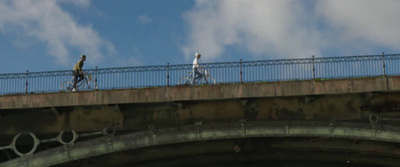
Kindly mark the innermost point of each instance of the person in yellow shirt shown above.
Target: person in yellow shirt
(78, 72)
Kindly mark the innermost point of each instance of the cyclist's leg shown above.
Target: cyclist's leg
(194, 76)
(75, 79)
(198, 74)
(81, 77)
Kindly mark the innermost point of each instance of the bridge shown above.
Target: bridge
(336, 111)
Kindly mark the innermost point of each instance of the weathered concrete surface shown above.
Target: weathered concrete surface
(44, 121)
(237, 102)
(327, 101)
(210, 92)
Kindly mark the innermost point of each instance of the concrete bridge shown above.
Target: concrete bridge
(337, 122)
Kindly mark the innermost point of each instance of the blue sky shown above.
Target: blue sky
(47, 35)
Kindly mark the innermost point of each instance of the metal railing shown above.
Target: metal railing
(224, 72)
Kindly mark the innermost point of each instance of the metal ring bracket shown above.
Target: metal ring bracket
(31, 151)
(72, 141)
(108, 131)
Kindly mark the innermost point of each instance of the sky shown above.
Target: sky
(50, 35)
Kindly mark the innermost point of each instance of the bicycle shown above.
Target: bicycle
(81, 85)
(204, 79)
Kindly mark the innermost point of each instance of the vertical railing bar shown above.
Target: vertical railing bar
(168, 74)
(383, 61)
(313, 68)
(26, 84)
(274, 72)
(95, 79)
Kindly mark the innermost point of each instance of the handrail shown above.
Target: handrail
(223, 72)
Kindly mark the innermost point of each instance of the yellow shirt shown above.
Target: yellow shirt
(78, 66)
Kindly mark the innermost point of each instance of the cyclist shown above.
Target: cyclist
(77, 71)
(196, 72)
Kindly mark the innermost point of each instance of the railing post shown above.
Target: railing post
(383, 58)
(313, 68)
(168, 74)
(26, 82)
(241, 80)
(95, 80)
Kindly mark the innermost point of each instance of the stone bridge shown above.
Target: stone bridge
(338, 122)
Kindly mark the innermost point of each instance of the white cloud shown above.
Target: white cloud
(127, 62)
(46, 21)
(144, 19)
(290, 28)
(81, 3)
(376, 22)
(132, 60)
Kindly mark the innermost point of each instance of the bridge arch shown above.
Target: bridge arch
(207, 132)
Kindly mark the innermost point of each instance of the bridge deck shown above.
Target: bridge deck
(210, 92)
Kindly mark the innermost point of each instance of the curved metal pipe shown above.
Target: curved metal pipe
(192, 133)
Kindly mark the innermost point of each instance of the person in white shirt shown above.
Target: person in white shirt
(196, 72)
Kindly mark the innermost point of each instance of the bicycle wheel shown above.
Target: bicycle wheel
(66, 86)
(207, 80)
(89, 81)
(184, 81)
(84, 85)
(211, 80)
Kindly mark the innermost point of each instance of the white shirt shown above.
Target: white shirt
(196, 63)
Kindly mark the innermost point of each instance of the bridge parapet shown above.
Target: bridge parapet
(210, 92)
(136, 109)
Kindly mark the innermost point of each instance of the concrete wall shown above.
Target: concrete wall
(136, 109)
(329, 102)
(210, 92)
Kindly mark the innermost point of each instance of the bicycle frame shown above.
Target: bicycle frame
(203, 79)
(79, 84)
(84, 80)
(203, 76)
(68, 85)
